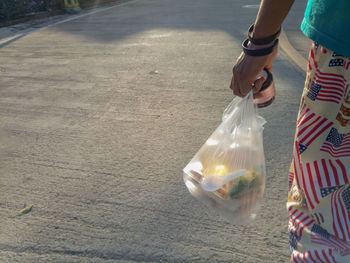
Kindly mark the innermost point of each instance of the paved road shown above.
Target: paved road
(292, 28)
(100, 114)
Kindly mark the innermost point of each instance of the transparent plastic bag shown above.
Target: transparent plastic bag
(228, 172)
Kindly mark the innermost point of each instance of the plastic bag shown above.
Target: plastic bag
(228, 172)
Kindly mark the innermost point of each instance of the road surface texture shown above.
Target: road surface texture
(99, 114)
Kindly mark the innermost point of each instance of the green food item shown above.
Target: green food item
(25, 210)
(245, 183)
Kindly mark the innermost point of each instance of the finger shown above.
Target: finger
(237, 93)
(241, 88)
(239, 83)
(235, 88)
(258, 84)
(245, 88)
(269, 67)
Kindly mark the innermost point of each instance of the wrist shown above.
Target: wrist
(262, 38)
(253, 46)
(253, 50)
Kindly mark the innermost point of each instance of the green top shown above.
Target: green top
(327, 22)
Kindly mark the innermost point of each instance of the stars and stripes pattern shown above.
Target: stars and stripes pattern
(337, 144)
(314, 256)
(319, 222)
(293, 241)
(346, 60)
(298, 220)
(319, 218)
(337, 62)
(320, 236)
(319, 178)
(309, 127)
(346, 197)
(327, 87)
(312, 61)
(340, 215)
(290, 179)
(328, 190)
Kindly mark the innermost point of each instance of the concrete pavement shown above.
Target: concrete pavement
(292, 40)
(100, 114)
(292, 28)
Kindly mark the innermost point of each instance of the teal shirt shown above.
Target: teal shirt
(327, 22)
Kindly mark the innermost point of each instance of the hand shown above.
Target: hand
(246, 70)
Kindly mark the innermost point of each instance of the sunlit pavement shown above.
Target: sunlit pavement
(99, 114)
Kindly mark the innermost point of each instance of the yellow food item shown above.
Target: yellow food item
(217, 169)
(241, 185)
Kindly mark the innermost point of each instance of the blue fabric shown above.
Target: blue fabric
(327, 22)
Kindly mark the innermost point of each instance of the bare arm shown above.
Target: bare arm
(270, 16)
(268, 21)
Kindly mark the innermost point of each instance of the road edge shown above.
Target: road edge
(291, 52)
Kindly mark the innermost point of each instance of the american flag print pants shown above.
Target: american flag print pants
(319, 178)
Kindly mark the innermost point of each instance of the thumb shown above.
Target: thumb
(258, 84)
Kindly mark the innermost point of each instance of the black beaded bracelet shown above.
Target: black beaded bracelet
(258, 52)
(261, 41)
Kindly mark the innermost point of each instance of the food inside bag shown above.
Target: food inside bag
(228, 172)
